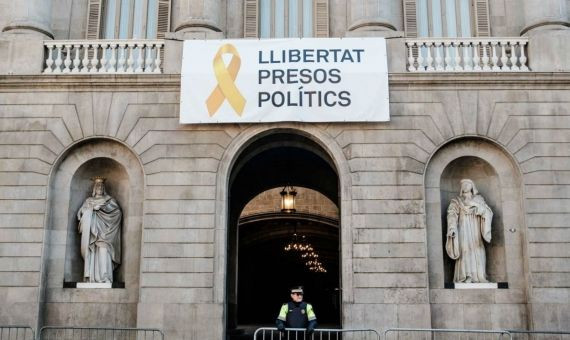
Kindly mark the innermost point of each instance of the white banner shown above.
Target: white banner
(308, 80)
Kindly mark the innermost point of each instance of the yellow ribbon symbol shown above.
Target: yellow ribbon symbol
(226, 88)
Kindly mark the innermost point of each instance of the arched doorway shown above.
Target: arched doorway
(259, 270)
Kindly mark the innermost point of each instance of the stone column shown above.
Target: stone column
(381, 18)
(22, 38)
(547, 27)
(198, 18)
(30, 17)
(544, 15)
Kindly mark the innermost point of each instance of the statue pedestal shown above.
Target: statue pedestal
(487, 285)
(94, 285)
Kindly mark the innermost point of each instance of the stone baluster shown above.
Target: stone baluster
(495, 58)
(522, 58)
(504, 58)
(49, 60)
(157, 61)
(140, 58)
(58, 60)
(447, 59)
(67, 62)
(128, 50)
(429, 58)
(476, 57)
(85, 61)
(514, 58)
(148, 58)
(485, 58)
(438, 58)
(113, 60)
(411, 59)
(457, 59)
(104, 53)
(466, 57)
(95, 59)
(76, 60)
(121, 51)
(421, 57)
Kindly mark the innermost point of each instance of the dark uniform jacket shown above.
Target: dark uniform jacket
(297, 315)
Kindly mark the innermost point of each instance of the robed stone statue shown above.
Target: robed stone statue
(468, 228)
(100, 228)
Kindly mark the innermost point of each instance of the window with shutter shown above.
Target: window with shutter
(128, 19)
(446, 18)
(482, 22)
(410, 18)
(286, 18)
(94, 9)
(321, 18)
(163, 22)
(251, 19)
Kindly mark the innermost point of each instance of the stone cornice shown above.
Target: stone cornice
(171, 82)
(79, 82)
(481, 81)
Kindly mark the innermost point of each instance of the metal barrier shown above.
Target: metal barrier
(520, 334)
(99, 333)
(268, 333)
(437, 334)
(16, 333)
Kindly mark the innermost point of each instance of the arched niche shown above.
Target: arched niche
(487, 181)
(498, 180)
(116, 185)
(70, 184)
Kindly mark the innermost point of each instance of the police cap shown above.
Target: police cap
(297, 289)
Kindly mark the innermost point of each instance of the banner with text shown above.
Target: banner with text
(308, 80)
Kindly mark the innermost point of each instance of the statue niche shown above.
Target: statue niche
(468, 228)
(100, 219)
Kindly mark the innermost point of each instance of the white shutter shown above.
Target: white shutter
(482, 22)
(163, 22)
(94, 15)
(321, 18)
(410, 18)
(250, 19)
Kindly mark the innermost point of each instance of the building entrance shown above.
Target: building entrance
(272, 249)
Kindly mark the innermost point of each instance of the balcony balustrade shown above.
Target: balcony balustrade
(103, 56)
(467, 55)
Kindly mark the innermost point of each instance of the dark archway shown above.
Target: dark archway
(269, 162)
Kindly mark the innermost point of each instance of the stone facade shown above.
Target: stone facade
(395, 180)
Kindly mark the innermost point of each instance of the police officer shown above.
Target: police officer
(296, 313)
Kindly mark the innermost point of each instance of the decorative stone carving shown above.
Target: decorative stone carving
(468, 228)
(100, 227)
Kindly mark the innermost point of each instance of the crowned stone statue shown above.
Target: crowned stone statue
(468, 228)
(100, 228)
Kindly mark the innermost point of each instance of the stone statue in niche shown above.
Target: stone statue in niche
(100, 227)
(468, 228)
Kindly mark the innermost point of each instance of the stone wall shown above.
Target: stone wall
(385, 199)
